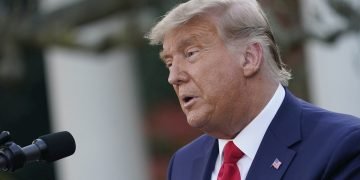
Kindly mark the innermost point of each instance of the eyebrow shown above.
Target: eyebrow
(183, 43)
(163, 56)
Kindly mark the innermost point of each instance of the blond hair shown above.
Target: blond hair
(235, 20)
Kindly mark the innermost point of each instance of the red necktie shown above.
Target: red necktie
(229, 169)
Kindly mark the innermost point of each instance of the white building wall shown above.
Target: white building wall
(333, 68)
(95, 97)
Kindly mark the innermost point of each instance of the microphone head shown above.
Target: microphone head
(59, 145)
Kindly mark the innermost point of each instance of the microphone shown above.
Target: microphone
(48, 148)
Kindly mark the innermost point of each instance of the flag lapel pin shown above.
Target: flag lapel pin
(276, 164)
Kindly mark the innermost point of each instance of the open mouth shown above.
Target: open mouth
(187, 99)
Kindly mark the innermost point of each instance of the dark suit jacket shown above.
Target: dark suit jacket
(310, 142)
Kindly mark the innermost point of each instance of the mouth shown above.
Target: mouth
(188, 101)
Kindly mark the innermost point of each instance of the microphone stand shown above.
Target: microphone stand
(12, 156)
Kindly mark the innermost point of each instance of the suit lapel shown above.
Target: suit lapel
(203, 165)
(275, 154)
(265, 164)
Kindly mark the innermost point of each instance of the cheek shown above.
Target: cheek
(214, 84)
(223, 84)
(216, 76)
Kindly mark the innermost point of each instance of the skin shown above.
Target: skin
(220, 89)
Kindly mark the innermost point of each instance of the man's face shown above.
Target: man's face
(206, 76)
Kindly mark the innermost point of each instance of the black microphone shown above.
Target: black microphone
(47, 148)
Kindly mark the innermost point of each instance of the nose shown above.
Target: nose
(177, 74)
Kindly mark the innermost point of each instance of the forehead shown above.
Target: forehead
(197, 30)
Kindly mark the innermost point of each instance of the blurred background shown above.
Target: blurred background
(84, 66)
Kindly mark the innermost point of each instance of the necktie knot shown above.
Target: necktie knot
(232, 154)
(229, 169)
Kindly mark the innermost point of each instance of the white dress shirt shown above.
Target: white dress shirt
(249, 139)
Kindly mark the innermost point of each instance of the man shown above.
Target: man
(231, 83)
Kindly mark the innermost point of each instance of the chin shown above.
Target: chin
(196, 122)
(199, 118)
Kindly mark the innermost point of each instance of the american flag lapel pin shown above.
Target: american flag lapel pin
(276, 164)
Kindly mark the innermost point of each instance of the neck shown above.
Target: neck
(260, 98)
(258, 95)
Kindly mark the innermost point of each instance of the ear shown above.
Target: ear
(253, 58)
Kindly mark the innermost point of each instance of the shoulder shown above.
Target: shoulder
(192, 157)
(333, 123)
(199, 145)
(335, 136)
(299, 119)
(329, 142)
(313, 115)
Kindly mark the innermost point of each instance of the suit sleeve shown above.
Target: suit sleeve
(352, 170)
(345, 162)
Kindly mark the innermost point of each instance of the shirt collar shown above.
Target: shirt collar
(249, 139)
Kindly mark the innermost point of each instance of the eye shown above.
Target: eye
(191, 52)
(168, 64)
